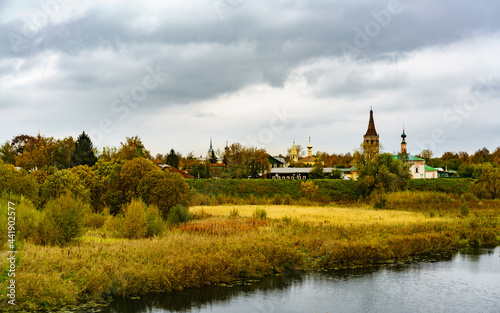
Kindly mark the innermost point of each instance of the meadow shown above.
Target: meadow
(226, 243)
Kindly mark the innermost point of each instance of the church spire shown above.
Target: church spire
(403, 141)
(371, 126)
(371, 143)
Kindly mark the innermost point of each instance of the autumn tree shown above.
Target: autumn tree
(37, 153)
(481, 156)
(130, 175)
(495, 156)
(133, 148)
(256, 161)
(83, 154)
(487, 183)
(426, 154)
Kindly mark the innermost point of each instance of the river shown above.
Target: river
(462, 282)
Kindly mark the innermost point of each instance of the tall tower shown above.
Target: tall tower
(294, 156)
(309, 148)
(403, 142)
(210, 150)
(371, 143)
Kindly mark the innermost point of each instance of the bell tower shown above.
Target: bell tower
(371, 143)
(403, 142)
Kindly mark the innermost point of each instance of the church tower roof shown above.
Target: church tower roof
(371, 126)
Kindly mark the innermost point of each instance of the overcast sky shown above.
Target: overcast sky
(262, 73)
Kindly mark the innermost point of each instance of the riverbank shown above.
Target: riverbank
(228, 243)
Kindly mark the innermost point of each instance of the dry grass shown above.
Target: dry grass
(325, 214)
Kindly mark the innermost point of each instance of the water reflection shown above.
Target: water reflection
(466, 282)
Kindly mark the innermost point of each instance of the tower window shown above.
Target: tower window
(416, 169)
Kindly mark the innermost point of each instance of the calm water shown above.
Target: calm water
(466, 282)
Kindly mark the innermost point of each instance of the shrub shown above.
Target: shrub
(134, 220)
(96, 220)
(380, 204)
(114, 226)
(179, 214)
(464, 207)
(234, 213)
(154, 223)
(63, 220)
(259, 214)
(28, 221)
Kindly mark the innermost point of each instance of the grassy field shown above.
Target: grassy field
(341, 216)
(220, 247)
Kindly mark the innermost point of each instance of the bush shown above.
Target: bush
(134, 220)
(96, 220)
(179, 214)
(380, 204)
(63, 220)
(234, 213)
(259, 214)
(154, 223)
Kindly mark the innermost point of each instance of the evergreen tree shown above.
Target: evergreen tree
(173, 159)
(83, 153)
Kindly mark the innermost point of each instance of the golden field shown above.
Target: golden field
(343, 216)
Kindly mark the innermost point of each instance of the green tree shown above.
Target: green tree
(336, 174)
(487, 183)
(8, 153)
(317, 172)
(83, 154)
(164, 190)
(17, 182)
(385, 173)
(62, 153)
(465, 170)
(173, 159)
(61, 183)
(108, 174)
(91, 183)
